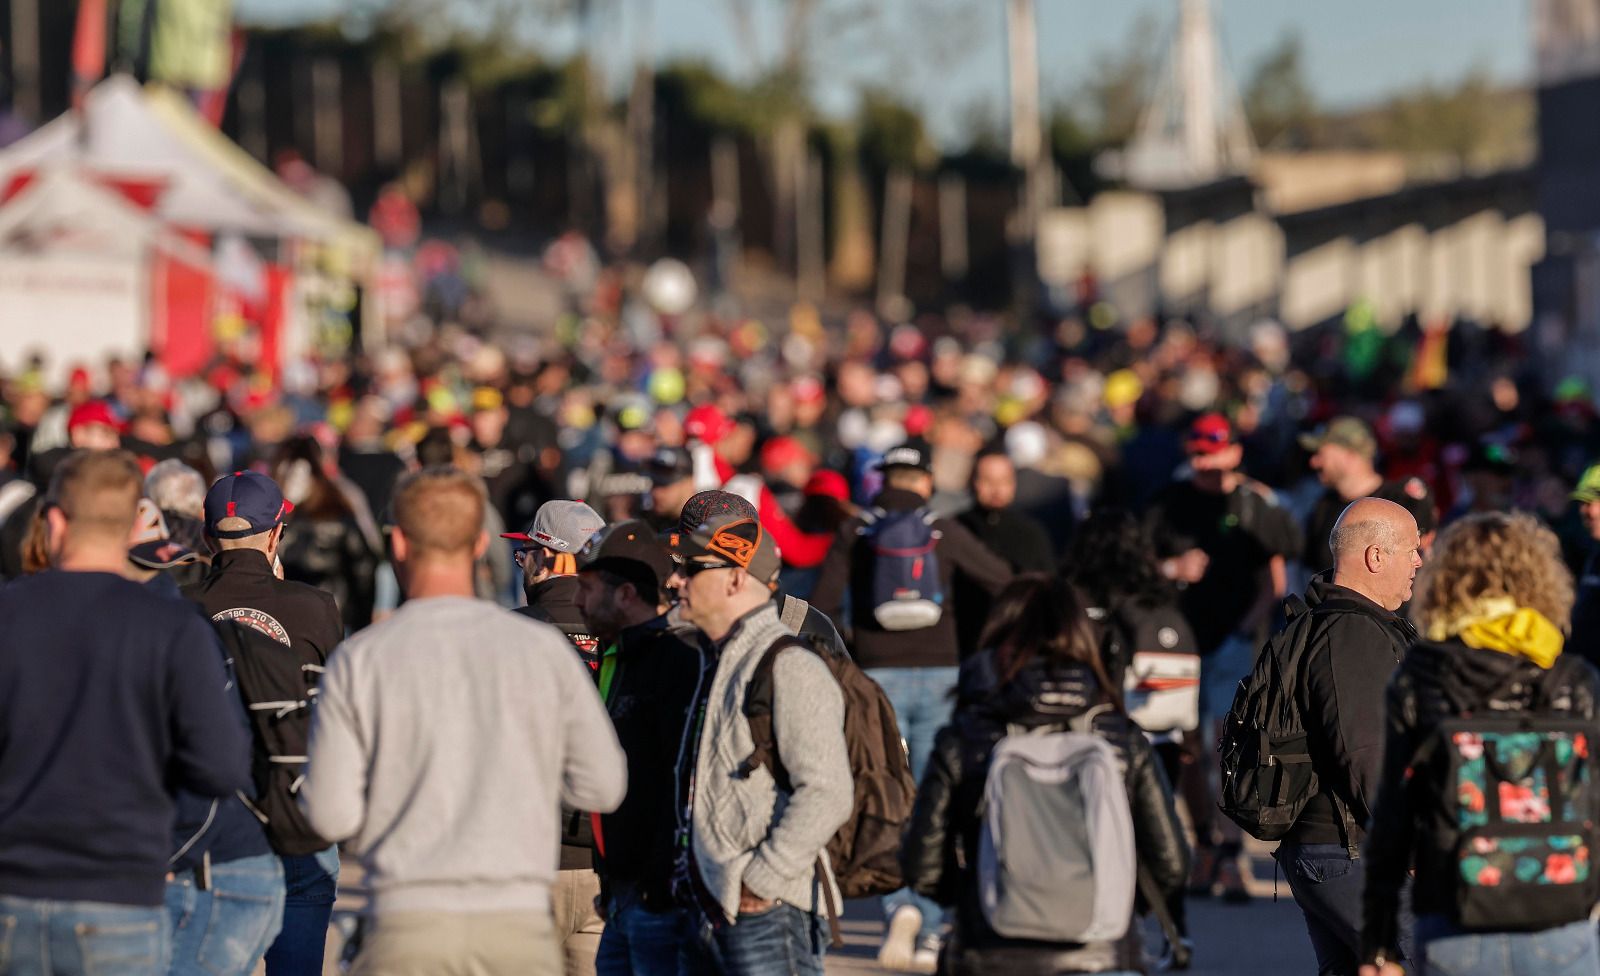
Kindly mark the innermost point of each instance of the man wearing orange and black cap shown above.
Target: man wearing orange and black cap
(752, 852)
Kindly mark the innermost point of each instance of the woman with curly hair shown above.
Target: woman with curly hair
(1479, 766)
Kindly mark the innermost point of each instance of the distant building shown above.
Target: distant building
(1566, 283)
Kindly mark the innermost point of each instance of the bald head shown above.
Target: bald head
(1376, 551)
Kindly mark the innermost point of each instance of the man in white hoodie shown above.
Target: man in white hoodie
(446, 739)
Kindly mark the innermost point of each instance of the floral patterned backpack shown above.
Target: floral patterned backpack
(1520, 794)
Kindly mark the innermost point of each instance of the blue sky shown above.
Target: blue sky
(1357, 51)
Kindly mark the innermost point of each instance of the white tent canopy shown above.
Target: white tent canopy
(76, 265)
(210, 184)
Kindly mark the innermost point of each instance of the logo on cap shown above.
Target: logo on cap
(736, 548)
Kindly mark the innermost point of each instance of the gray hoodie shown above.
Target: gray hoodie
(445, 740)
(745, 829)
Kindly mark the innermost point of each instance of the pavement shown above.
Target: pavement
(1266, 937)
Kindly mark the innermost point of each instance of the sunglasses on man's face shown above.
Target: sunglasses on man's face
(691, 569)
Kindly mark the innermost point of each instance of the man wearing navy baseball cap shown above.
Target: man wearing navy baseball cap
(244, 516)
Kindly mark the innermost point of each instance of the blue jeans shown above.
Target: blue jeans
(81, 938)
(639, 942)
(311, 883)
(225, 929)
(1568, 950)
(782, 941)
(922, 705)
(1327, 885)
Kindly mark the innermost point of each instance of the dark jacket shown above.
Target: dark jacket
(1355, 646)
(332, 554)
(1022, 541)
(1585, 639)
(1241, 531)
(940, 852)
(1434, 683)
(241, 589)
(656, 682)
(555, 602)
(111, 698)
(850, 564)
(222, 827)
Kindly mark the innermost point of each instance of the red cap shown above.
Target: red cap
(918, 419)
(828, 484)
(808, 389)
(707, 424)
(782, 451)
(80, 379)
(94, 412)
(1210, 434)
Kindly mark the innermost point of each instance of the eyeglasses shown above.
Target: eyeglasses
(689, 570)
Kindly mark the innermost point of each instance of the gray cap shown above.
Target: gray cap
(562, 526)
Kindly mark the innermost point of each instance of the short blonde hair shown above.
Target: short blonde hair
(98, 492)
(1494, 555)
(440, 510)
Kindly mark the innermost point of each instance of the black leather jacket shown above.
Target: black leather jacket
(1437, 682)
(940, 851)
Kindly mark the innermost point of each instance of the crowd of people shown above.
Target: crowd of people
(577, 643)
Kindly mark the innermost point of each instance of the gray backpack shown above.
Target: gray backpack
(1056, 855)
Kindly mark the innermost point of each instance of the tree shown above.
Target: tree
(1120, 82)
(1278, 100)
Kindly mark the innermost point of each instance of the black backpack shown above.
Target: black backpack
(1267, 776)
(864, 852)
(278, 689)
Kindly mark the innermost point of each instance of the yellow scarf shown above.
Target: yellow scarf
(1498, 624)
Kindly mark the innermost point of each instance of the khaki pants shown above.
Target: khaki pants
(578, 925)
(487, 944)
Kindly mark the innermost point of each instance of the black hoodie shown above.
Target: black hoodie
(1436, 682)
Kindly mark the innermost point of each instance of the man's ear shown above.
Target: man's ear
(1374, 558)
(481, 546)
(55, 521)
(400, 544)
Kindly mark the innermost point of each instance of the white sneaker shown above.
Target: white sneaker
(926, 958)
(899, 949)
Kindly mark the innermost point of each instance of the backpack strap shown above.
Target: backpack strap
(869, 517)
(758, 704)
(758, 699)
(793, 613)
(1085, 723)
